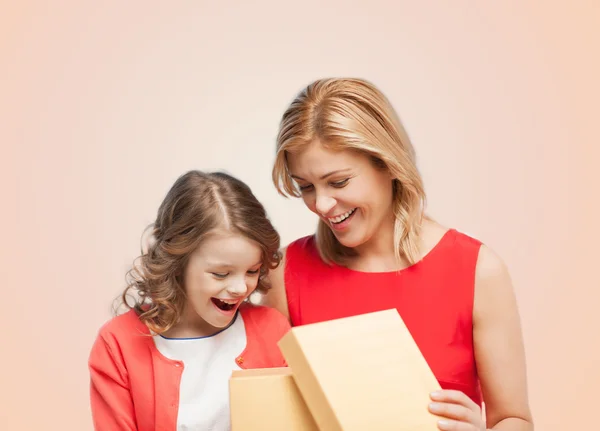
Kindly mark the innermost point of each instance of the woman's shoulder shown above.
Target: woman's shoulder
(460, 244)
(303, 252)
(305, 243)
(435, 235)
(447, 249)
(465, 239)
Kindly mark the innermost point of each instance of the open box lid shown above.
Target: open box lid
(362, 373)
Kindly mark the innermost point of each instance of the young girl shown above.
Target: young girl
(165, 363)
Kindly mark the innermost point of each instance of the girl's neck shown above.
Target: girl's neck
(191, 326)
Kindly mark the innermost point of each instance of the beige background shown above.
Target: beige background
(104, 104)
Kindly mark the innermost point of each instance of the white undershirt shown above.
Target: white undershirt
(208, 363)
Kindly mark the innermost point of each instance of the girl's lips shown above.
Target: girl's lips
(225, 306)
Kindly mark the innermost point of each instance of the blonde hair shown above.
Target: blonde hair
(196, 205)
(352, 114)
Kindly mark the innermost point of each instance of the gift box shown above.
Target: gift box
(267, 400)
(362, 373)
(358, 373)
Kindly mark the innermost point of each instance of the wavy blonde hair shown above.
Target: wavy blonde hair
(196, 205)
(352, 114)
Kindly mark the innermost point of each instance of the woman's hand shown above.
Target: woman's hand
(458, 412)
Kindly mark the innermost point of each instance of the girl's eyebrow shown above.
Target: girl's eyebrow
(220, 264)
(229, 265)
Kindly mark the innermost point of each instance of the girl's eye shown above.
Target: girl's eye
(220, 275)
(256, 271)
(341, 183)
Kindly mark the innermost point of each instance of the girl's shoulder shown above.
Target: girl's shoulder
(125, 327)
(122, 339)
(264, 319)
(260, 313)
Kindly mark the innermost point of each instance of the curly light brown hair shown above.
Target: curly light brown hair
(196, 205)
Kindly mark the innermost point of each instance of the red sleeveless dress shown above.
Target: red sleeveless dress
(434, 297)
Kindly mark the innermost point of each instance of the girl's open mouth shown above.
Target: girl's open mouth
(225, 305)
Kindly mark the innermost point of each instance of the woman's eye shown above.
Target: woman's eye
(341, 183)
(220, 274)
(305, 188)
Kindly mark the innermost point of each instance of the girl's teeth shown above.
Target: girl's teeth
(225, 305)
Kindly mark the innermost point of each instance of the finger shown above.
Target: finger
(456, 397)
(454, 411)
(451, 425)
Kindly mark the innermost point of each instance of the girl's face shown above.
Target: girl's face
(220, 274)
(346, 190)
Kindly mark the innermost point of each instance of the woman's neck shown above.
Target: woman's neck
(377, 254)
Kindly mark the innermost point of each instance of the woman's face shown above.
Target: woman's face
(346, 190)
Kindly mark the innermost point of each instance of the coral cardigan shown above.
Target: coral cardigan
(134, 387)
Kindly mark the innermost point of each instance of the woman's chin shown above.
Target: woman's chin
(349, 241)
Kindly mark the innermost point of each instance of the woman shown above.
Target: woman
(343, 150)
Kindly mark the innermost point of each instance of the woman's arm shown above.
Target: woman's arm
(500, 358)
(112, 406)
(276, 296)
(499, 350)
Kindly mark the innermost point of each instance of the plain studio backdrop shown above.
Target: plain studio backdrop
(104, 104)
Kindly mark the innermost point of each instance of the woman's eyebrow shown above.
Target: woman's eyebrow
(338, 171)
